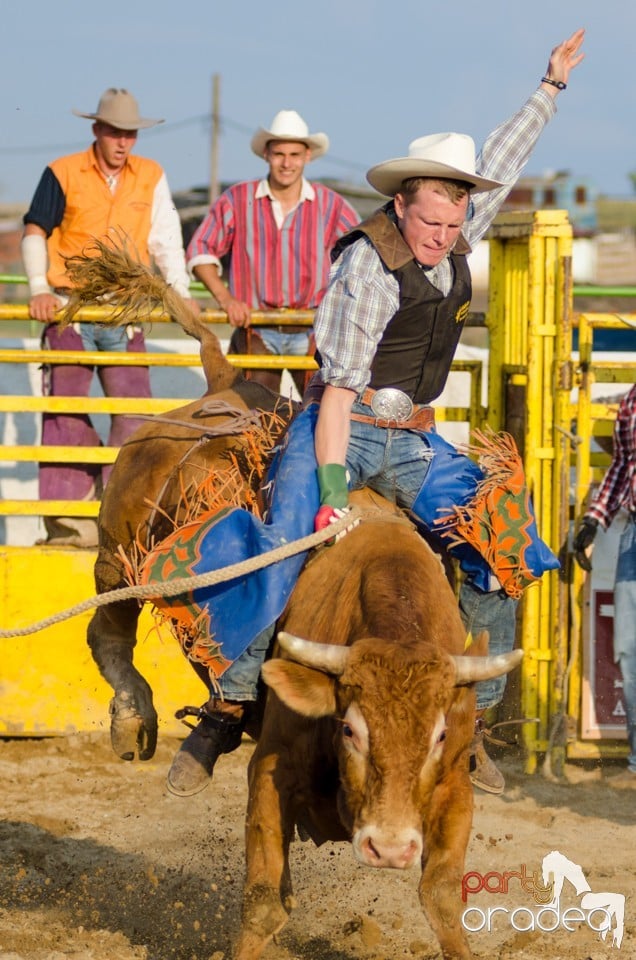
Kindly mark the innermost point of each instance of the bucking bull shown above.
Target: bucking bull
(369, 710)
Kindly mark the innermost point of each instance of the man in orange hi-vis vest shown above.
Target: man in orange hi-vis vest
(102, 193)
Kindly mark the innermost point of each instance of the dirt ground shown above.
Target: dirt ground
(99, 862)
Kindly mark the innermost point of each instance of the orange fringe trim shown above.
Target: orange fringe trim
(499, 458)
(236, 485)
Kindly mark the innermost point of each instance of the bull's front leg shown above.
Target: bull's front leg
(267, 896)
(446, 839)
(112, 635)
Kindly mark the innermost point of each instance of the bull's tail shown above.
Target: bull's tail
(107, 273)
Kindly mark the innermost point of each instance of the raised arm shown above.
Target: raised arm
(508, 148)
(563, 59)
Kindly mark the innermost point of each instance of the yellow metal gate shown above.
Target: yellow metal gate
(541, 393)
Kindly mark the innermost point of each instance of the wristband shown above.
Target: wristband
(34, 258)
(555, 83)
(38, 286)
(332, 482)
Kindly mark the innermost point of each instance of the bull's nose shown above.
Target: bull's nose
(398, 852)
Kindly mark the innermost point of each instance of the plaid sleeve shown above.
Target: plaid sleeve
(618, 486)
(361, 299)
(503, 157)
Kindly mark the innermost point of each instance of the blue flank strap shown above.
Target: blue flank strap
(241, 608)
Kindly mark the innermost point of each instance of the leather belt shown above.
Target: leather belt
(419, 417)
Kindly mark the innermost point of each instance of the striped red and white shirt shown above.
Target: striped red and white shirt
(272, 266)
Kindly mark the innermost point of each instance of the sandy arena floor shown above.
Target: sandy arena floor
(99, 862)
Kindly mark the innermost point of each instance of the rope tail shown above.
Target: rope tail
(107, 273)
(172, 588)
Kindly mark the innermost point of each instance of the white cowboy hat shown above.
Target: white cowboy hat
(448, 156)
(289, 125)
(119, 109)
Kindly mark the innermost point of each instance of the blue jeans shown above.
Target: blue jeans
(292, 344)
(391, 462)
(625, 630)
(240, 680)
(496, 613)
(98, 336)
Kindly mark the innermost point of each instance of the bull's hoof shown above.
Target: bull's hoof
(192, 767)
(129, 734)
(263, 917)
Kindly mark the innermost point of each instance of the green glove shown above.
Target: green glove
(332, 481)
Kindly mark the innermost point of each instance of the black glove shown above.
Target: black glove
(583, 539)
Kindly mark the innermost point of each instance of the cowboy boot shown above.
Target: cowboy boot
(483, 771)
(218, 731)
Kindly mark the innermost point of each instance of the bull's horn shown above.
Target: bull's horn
(472, 669)
(328, 657)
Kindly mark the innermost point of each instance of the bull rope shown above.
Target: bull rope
(211, 408)
(170, 588)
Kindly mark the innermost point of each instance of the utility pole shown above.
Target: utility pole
(214, 148)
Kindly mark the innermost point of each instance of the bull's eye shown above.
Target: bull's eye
(355, 734)
(441, 737)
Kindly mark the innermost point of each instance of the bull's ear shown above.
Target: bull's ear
(308, 692)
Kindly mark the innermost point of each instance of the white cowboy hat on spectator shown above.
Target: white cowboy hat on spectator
(119, 109)
(447, 156)
(289, 125)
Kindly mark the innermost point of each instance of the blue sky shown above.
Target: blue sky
(372, 74)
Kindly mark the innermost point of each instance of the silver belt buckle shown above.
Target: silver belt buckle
(389, 403)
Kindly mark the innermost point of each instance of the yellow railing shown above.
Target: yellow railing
(17, 404)
(473, 413)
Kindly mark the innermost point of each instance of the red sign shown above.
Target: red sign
(603, 704)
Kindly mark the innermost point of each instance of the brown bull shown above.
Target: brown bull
(365, 736)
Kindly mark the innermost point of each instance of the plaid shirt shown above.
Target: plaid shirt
(272, 267)
(363, 295)
(618, 488)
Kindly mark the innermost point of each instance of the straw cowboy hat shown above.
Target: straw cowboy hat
(119, 109)
(289, 125)
(449, 156)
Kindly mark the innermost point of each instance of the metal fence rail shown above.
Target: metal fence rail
(473, 413)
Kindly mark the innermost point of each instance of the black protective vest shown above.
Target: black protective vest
(419, 342)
